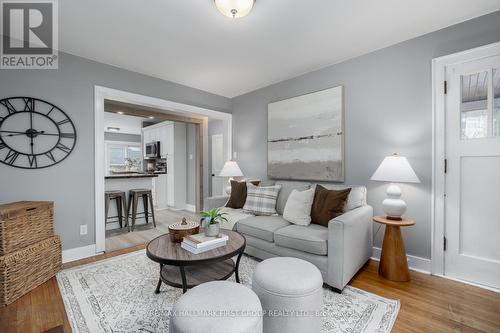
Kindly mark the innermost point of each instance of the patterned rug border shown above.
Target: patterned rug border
(72, 319)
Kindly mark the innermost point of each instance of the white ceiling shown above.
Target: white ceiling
(190, 42)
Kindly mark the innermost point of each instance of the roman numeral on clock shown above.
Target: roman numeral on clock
(62, 147)
(50, 156)
(11, 157)
(33, 161)
(67, 135)
(2, 145)
(62, 122)
(29, 104)
(10, 108)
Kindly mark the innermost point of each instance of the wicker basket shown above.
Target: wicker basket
(179, 230)
(24, 270)
(24, 223)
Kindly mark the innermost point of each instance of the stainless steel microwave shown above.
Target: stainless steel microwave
(153, 149)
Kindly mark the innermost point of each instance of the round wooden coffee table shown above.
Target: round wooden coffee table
(182, 269)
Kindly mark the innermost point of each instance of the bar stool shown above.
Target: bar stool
(147, 195)
(121, 207)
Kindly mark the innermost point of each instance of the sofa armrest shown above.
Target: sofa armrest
(350, 245)
(215, 202)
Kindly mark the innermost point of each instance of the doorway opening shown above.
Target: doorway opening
(158, 147)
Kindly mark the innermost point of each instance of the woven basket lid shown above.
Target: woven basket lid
(184, 225)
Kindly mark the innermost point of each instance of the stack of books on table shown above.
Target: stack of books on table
(200, 243)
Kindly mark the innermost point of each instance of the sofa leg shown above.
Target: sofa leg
(335, 290)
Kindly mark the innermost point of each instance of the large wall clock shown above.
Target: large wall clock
(34, 134)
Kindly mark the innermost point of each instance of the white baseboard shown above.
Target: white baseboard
(470, 283)
(78, 253)
(417, 264)
(191, 208)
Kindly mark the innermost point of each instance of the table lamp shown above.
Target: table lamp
(230, 169)
(394, 169)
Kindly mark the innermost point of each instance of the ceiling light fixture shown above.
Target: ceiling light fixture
(151, 117)
(234, 8)
(114, 129)
(120, 112)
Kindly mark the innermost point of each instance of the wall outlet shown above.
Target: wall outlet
(190, 156)
(83, 229)
(235, 155)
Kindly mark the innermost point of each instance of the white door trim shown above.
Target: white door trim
(102, 93)
(439, 143)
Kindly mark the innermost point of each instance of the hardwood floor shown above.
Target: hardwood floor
(118, 239)
(428, 304)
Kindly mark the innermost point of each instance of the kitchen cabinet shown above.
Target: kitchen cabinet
(163, 132)
(161, 191)
(170, 190)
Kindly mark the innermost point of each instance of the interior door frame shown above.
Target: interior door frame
(211, 162)
(103, 93)
(439, 145)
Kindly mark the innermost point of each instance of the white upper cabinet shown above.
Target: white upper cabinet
(163, 132)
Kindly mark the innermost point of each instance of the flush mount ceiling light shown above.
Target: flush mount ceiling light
(234, 8)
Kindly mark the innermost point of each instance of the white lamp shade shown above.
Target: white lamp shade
(234, 8)
(231, 169)
(395, 169)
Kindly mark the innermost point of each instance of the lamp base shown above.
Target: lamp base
(394, 207)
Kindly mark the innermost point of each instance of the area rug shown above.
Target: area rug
(117, 295)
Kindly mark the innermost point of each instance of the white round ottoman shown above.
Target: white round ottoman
(217, 307)
(291, 293)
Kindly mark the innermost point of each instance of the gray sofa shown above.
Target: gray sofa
(338, 250)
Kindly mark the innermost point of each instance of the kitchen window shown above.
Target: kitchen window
(123, 156)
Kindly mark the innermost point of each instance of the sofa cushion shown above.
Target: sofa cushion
(261, 200)
(238, 194)
(262, 227)
(286, 189)
(327, 205)
(356, 198)
(312, 238)
(298, 207)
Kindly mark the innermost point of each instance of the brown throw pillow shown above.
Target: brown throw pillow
(327, 204)
(238, 194)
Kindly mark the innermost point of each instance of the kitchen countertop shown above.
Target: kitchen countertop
(131, 175)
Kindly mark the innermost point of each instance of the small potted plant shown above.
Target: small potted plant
(211, 220)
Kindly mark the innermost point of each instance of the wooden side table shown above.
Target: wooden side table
(393, 264)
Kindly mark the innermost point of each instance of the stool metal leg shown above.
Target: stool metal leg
(119, 210)
(125, 210)
(150, 196)
(145, 204)
(134, 210)
(106, 208)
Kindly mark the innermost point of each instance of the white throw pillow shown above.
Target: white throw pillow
(298, 207)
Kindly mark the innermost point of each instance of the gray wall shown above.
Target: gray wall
(122, 137)
(70, 184)
(191, 131)
(387, 109)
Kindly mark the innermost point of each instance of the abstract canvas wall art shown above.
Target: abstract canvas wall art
(306, 137)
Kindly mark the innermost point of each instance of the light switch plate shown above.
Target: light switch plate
(83, 229)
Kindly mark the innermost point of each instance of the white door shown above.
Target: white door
(472, 207)
(217, 164)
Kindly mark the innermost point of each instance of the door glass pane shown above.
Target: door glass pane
(474, 105)
(496, 103)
